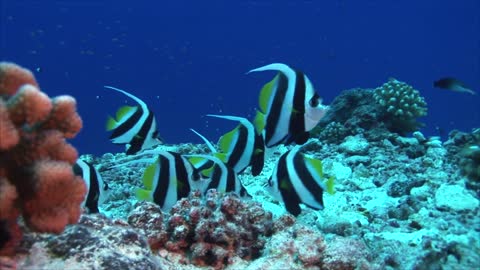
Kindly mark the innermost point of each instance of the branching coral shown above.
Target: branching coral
(334, 132)
(36, 177)
(403, 105)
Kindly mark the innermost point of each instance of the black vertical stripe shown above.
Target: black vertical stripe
(205, 165)
(183, 185)
(94, 191)
(258, 157)
(163, 185)
(307, 178)
(240, 145)
(137, 141)
(91, 201)
(273, 116)
(128, 124)
(231, 180)
(289, 195)
(244, 192)
(297, 121)
(216, 176)
(77, 170)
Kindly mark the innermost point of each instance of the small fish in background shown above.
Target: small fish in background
(299, 179)
(289, 106)
(98, 190)
(134, 126)
(242, 146)
(222, 177)
(453, 84)
(168, 179)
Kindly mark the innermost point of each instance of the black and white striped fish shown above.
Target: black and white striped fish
(97, 189)
(134, 126)
(222, 177)
(168, 179)
(242, 146)
(289, 106)
(299, 179)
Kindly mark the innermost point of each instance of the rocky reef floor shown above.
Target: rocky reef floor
(400, 203)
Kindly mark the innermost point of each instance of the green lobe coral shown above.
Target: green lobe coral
(403, 105)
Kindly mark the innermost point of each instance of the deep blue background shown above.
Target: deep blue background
(189, 58)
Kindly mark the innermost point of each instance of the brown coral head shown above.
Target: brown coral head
(29, 106)
(8, 132)
(13, 76)
(57, 197)
(64, 116)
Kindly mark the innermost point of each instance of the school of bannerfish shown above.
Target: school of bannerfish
(289, 108)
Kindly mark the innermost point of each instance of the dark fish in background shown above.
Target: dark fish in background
(453, 84)
(134, 126)
(97, 189)
(289, 106)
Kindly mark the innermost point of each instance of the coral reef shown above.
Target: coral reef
(352, 113)
(36, 177)
(396, 109)
(333, 132)
(96, 242)
(212, 230)
(354, 110)
(392, 210)
(465, 151)
(403, 105)
(400, 203)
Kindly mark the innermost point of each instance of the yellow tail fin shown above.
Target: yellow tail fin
(330, 187)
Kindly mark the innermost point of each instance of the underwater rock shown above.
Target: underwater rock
(464, 149)
(353, 108)
(354, 145)
(402, 186)
(455, 198)
(91, 244)
(347, 253)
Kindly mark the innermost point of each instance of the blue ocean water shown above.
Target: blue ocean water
(189, 58)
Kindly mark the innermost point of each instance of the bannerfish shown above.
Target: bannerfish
(242, 146)
(289, 106)
(299, 179)
(98, 190)
(222, 177)
(134, 126)
(453, 84)
(168, 179)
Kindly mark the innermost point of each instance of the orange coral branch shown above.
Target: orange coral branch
(36, 177)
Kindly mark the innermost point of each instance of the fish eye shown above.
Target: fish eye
(196, 176)
(314, 101)
(155, 134)
(105, 186)
(270, 182)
